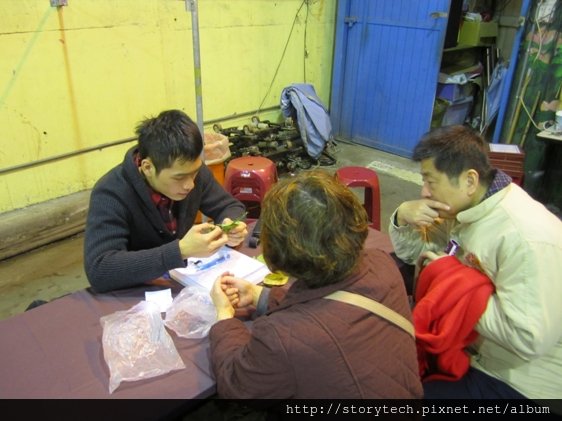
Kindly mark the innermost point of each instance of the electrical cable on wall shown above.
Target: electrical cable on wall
(282, 55)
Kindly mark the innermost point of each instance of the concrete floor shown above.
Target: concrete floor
(57, 269)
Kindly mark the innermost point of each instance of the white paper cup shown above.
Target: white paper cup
(559, 119)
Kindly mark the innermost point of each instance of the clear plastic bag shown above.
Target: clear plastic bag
(137, 346)
(216, 148)
(192, 313)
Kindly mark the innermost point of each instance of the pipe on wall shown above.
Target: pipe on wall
(504, 100)
(60, 157)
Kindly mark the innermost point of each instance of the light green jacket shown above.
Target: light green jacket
(517, 242)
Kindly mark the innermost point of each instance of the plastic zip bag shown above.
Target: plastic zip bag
(192, 313)
(137, 346)
(216, 148)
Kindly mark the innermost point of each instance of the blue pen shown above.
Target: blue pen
(214, 262)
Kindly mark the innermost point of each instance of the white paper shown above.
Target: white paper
(502, 147)
(163, 298)
(239, 264)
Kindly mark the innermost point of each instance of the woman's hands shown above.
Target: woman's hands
(223, 298)
(230, 293)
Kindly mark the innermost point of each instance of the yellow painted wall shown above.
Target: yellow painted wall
(83, 75)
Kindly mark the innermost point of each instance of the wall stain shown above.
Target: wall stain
(71, 92)
(16, 71)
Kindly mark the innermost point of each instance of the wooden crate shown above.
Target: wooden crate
(508, 158)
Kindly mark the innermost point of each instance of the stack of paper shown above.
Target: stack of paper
(203, 272)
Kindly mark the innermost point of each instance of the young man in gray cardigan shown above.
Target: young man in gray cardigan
(141, 219)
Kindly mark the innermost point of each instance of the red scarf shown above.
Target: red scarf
(450, 298)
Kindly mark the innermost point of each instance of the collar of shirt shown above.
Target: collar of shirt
(500, 181)
(163, 203)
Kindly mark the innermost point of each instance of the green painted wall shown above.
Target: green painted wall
(85, 74)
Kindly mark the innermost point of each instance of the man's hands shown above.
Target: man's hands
(422, 212)
(236, 234)
(427, 257)
(229, 292)
(202, 240)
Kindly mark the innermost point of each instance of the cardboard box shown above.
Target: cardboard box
(477, 33)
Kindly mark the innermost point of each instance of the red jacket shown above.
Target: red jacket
(450, 298)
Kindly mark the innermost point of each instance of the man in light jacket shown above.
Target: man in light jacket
(511, 238)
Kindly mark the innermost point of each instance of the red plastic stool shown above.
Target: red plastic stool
(248, 178)
(367, 178)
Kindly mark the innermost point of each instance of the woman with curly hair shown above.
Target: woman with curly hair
(302, 345)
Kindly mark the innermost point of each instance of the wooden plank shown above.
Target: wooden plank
(25, 229)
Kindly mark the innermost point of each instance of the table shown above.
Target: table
(549, 135)
(547, 180)
(55, 350)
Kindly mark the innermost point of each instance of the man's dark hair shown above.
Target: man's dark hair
(455, 149)
(169, 137)
(313, 228)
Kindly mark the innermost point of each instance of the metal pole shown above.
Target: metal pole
(191, 5)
